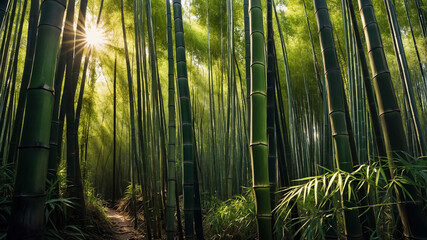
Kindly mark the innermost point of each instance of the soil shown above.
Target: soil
(122, 226)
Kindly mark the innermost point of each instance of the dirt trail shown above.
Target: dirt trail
(122, 226)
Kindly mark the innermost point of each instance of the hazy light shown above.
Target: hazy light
(281, 8)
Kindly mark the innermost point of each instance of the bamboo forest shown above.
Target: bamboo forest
(213, 119)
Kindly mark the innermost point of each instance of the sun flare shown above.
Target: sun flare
(95, 37)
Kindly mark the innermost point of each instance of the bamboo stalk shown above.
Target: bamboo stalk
(258, 123)
(27, 219)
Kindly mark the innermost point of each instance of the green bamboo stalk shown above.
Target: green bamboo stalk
(6, 44)
(400, 54)
(58, 109)
(27, 219)
(31, 43)
(422, 17)
(282, 135)
(230, 143)
(271, 99)
(315, 62)
(247, 57)
(187, 126)
(292, 133)
(8, 93)
(12, 76)
(158, 121)
(357, 106)
(338, 113)
(75, 186)
(142, 123)
(132, 113)
(258, 122)
(114, 129)
(171, 204)
(4, 5)
(396, 144)
(373, 111)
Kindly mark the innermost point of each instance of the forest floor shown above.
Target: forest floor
(122, 226)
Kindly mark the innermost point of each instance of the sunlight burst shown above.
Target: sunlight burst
(95, 37)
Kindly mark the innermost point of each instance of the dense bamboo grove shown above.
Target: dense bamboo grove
(201, 119)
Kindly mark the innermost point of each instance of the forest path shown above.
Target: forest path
(122, 226)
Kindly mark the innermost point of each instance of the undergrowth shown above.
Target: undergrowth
(231, 219)
(56, 210)
(126, 205)
(318, 200)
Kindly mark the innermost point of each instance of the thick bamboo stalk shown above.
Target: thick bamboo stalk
(186, 118)
(396, 144)
(27, 219)
(338, 113)
(378, 135)
(404, 68)
(258, 123)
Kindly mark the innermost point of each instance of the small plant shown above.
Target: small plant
(126, 204)
(231, 219)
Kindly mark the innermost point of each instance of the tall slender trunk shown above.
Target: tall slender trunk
(171, 204)
(132, 112)
(29, 55)
(58, 111)
(73, 159)
(271, 99)
(404, 68)
(12, 77)
(423, 77)
(187, 126)
(4, 5)
(114, 130)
